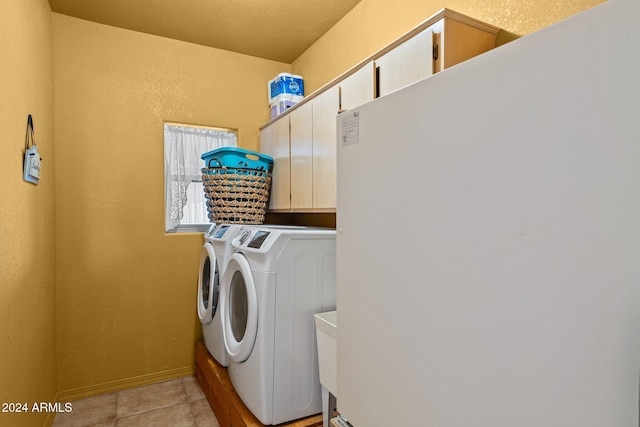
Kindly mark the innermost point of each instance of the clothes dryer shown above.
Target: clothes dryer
(276, 280)
(214, 258)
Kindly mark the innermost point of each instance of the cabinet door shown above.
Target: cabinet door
(325, 112)
(405, 64)
(274, 141)
(301, 157)
(357, 89)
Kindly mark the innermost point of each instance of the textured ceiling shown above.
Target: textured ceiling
(280, 30)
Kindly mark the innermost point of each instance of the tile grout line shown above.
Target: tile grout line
(117, 405)
(189, 402)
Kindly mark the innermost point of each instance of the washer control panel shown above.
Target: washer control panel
(220, 231)
(253, 239)
(258, 239)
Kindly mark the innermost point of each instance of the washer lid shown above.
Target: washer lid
(208, 284)
(239, 308)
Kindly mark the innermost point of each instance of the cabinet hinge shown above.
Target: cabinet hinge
(435, 51)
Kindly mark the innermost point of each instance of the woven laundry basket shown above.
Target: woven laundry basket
(236, 195)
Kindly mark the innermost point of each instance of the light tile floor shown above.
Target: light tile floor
(175, 403)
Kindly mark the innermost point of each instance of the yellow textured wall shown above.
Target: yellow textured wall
(126, 290)
(373, 24)
(27, 213)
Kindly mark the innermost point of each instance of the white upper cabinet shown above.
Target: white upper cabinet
(303, 139)
(303, 146)
(325, 124)
(449, 40)
(274, 141)
(406, 64)
(357, 88)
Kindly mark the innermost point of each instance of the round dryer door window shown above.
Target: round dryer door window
(239, 305)
(208, 284)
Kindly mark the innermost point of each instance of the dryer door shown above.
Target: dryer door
(239, 305)
(208, 284)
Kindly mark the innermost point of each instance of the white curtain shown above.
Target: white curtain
(183, 146)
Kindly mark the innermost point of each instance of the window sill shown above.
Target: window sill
(190, 228)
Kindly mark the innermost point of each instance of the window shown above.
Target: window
(185, 204)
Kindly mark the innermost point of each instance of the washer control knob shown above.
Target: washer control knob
(245, 235)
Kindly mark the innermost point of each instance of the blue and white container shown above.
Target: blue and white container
(286, 84)
(281, 104)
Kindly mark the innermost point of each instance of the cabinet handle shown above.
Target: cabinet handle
(435, 52)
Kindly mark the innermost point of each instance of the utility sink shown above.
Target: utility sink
(326, 329)
(326, 333)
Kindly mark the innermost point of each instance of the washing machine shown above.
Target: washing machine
(214, 258)
(276, 280)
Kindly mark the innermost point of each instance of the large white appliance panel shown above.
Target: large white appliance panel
(498, 203)
(306, 285)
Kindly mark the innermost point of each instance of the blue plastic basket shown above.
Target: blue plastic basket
(236, 158)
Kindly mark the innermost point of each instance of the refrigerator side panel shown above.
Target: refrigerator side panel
(489, 235)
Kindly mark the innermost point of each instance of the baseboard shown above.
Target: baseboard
(94, 390)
